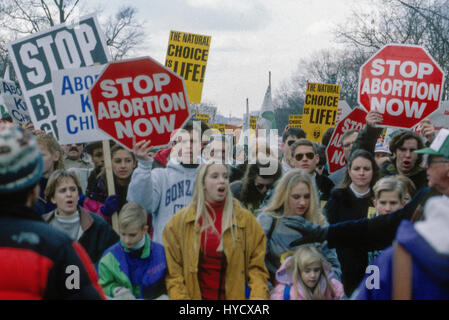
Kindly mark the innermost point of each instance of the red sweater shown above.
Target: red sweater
(210, 260)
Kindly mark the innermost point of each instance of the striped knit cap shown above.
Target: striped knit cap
(21, 163)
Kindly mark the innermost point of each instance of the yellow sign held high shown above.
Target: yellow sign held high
(253, 121)
(220, 127)
(187, 55)
(295, 120)
(203, 117)
(320, 109)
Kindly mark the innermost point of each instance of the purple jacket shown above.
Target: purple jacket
(430, 270)
(284, 278)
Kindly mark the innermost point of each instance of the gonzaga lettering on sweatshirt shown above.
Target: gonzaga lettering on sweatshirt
(162, 191)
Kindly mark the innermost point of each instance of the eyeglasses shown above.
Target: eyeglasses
(261, 186)
(309, 155)
(432, 160)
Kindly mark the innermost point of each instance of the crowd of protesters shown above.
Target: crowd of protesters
(203, 220)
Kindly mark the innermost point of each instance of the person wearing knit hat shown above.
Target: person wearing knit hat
(31, 250)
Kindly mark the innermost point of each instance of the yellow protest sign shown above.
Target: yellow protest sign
(320, 109)
(187, 55)
(203, 117)
(295, 120)
(220, 127)
(253, 121)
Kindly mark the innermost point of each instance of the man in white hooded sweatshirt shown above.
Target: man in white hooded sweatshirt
(165, 191)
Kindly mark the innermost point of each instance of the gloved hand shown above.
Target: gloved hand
(111, 205)
(81, 199)
(310, 232)
(122, 293)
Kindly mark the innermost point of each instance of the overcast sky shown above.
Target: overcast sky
(249, 38)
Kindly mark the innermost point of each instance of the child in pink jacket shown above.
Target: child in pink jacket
(306, 275)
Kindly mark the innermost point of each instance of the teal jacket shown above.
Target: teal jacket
(142, 274)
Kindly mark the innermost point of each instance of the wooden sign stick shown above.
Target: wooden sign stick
(110, 179)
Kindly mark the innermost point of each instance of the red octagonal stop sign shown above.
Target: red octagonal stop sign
(403, 83)
(355, 120)
(141, 98)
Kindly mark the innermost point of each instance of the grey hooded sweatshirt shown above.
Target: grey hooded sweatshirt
(162, 191)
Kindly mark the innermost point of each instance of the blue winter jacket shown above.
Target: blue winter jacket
(430, 270)
(143, 275)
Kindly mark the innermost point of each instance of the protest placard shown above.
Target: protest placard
(187, 55)
(61, 47)
(12, 102)
(73, 106)
(320, 109)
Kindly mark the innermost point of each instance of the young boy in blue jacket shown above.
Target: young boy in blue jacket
(134, 267)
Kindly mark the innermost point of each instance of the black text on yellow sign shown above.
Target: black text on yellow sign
(253, 121)
(203, 117)
(187, 55)
(220, 127)
(295, 120)
(320, 109)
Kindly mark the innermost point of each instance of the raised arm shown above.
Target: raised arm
(141, 188)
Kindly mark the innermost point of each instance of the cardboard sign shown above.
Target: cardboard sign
(253, 122)
(440, 118)
(220, 127)
(203, 117)
(356, 120)
(403, 83)
(73, 106)
(139, 98)
(61, 47)
(11, 100)
(295, 120)
(187, 55)
(343, 110)
(320, 109)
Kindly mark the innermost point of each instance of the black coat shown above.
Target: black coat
(377, 233)
(97, 235)
(343, 205)
(38, 252)
(325, 186)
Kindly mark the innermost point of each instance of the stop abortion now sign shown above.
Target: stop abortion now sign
(139, 98)
(355, 120)
(403, 83)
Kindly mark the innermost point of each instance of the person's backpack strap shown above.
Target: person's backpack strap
(287, 292)
(272, 227)
(402, 273)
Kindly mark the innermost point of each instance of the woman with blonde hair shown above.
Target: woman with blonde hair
(294, 202)
(215, 249)
(306, 275)
(53, 160)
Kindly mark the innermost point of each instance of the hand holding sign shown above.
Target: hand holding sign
(142, 149)
(373, 118)
(427, 129)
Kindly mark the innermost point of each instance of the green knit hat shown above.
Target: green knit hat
(439, 146)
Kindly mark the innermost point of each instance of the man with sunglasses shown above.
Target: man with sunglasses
(290, 136)
(425, 242)
(305, 156)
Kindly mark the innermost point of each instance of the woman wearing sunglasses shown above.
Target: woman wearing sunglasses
(351, 200)
(253, 188)
(295, 201)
